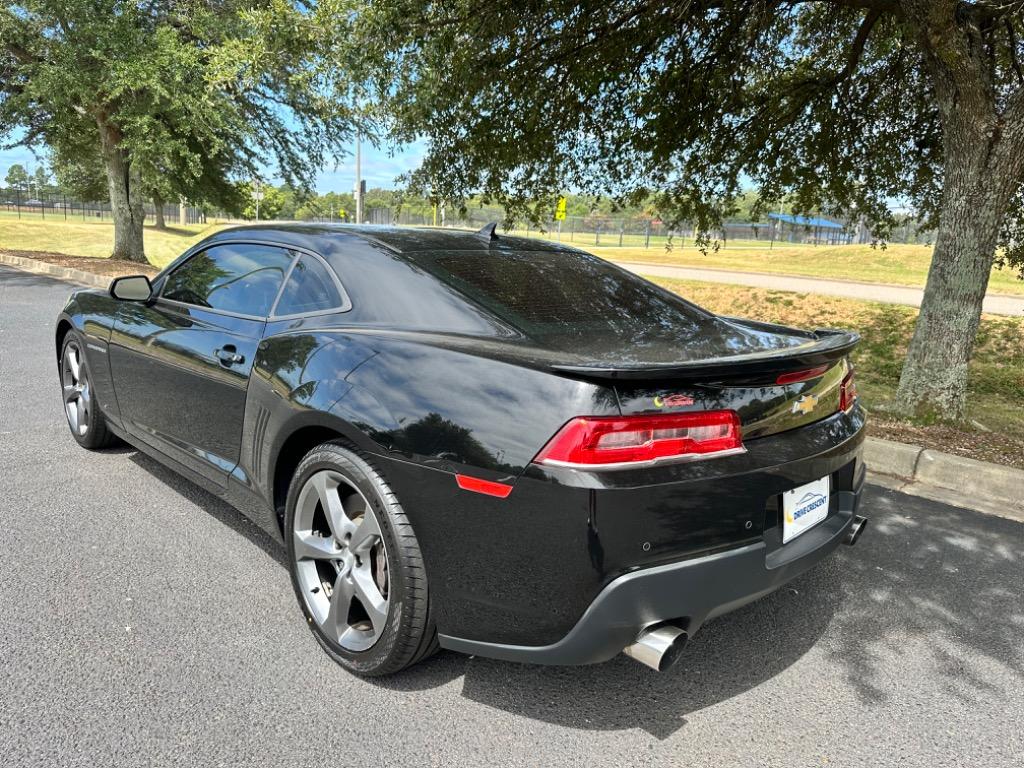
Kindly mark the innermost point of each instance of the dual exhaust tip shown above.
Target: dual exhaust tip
(660, 647)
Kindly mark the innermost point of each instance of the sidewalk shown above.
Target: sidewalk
(996, 304)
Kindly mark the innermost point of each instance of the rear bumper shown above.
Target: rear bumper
(686, 593)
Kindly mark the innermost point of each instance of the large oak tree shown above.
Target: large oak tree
(834, 105)
(175, 96)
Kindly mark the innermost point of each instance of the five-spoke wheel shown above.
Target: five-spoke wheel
(77, 396)
(341, 560)
(86, 421)
(356, 565)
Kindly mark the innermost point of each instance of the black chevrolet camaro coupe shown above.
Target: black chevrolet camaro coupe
(501, 446)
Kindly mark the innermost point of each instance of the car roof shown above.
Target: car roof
(395, 239)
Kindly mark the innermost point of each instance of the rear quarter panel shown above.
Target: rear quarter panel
(447, 410)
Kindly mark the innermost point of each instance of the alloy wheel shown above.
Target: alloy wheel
(77, 393)
(341, 561)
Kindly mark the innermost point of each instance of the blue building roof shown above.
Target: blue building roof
(805, 221)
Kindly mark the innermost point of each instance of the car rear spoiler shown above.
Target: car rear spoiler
(823, 347)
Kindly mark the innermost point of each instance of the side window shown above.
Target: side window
(309, 289)
(239, 278)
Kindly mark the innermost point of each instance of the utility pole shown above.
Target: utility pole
(257, 194)
(359, 182)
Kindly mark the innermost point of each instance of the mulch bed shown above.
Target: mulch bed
(105, 267)
(972, 444)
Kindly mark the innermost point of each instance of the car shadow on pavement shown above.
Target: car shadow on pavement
(729, 656)
(213, 506)
(931, 587)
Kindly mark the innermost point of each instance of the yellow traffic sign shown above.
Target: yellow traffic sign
(560, 210)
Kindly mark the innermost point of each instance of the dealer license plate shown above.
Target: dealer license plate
(803, 508)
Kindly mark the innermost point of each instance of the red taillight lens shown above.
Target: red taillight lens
(630, 441)
(847, 391)
(794, 377)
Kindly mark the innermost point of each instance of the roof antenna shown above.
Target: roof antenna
(488, 232)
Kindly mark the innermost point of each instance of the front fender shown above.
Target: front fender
(296, 385)
(92, 313)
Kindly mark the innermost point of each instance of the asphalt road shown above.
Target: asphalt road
(144, 622)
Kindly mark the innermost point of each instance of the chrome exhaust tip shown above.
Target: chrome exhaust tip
(856, 529)
(658, 648)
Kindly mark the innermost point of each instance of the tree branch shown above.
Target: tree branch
(857, 49)
(21, 54)
(1013, 51)
(989, 11)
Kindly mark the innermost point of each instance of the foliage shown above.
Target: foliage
(270, 204)
(41, 177)
(827, 105)
(17, 177)
(836, 105)
(332, 205)
(195, 93)
(82, 175)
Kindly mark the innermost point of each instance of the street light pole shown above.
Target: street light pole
(359, 182)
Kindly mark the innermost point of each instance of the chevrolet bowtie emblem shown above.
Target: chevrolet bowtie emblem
(805, 404)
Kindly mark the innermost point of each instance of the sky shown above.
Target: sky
(380, 166)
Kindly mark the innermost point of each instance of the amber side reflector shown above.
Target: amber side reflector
(486, 487)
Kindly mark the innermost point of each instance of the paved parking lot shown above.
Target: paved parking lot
(144, 622)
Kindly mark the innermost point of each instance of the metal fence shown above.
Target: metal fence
(644, 232)
(20, 204)
(586, 231)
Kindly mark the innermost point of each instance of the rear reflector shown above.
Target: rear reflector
(633, 441)
(487, 487)
(795, 377)
(847, 392)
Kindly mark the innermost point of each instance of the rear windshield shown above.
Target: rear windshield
(542, 293)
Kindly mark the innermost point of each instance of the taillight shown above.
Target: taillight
(631, 441)
(847, 392)
(795, 377)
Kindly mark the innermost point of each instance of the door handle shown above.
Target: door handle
(228, 356)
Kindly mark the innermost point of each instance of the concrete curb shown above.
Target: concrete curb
(943, 477)
(63, 273)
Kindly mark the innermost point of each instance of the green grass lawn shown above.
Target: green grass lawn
(638, 242)
(896, 264)
(94, 238)
(996, 375)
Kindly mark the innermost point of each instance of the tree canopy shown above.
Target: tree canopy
(840, 106)
(186, 94)
(17, 177)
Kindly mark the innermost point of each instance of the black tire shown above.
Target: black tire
(92, 431)
(409, 634)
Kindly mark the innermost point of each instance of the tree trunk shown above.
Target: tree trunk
(983, 168)
(125, 196)
(158, 212)
(934, 379)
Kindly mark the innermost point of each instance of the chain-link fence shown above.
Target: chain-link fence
(16, 203)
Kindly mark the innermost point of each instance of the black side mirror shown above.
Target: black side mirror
(131, 288)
